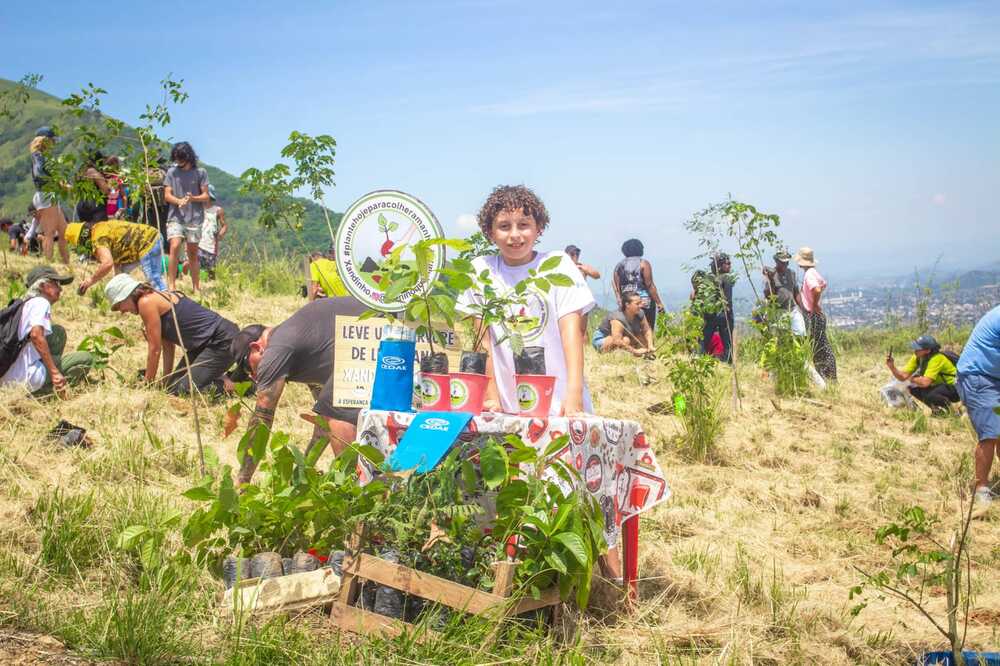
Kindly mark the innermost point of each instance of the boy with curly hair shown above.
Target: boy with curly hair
(513, 218)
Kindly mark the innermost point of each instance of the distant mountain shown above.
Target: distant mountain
(241, 211)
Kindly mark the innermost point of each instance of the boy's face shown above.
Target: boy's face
(514, 234)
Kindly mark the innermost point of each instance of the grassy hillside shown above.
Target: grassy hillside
(749, 563)
(43, 109)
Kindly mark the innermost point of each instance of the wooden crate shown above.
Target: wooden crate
(360, 566)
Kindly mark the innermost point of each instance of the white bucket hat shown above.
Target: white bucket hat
(119, 288)
(805, 257)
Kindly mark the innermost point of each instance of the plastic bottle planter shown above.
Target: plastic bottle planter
(435, 384)
(533, 387)
(266, 565)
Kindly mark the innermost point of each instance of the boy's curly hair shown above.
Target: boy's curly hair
(512, 198)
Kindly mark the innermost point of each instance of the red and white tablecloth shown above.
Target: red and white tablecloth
(615, 462)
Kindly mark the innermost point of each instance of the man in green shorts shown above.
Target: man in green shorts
(930, 372)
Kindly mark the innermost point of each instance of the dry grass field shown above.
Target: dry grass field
(750, 562)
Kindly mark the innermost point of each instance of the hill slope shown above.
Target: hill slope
(241, 210)
(749, 562)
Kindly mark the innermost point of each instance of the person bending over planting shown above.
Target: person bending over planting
(626, 328)
(119, 246)
(171, 319)
(298, 350)
(513, 218)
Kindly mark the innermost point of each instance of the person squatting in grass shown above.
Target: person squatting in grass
(185, 188)
(300, 349)
(978, 385)
(41, 366)
(626, 329)
(930, 373)
(51, 220)
(171, 320)
(119, 246)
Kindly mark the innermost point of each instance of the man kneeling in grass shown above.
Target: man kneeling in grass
(40, 366)
(298, 350)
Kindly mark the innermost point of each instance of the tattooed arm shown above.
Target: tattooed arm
(263, 414)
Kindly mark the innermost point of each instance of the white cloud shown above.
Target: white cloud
(938, 199)
(466, 222)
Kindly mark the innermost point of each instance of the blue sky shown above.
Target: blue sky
(872, 129)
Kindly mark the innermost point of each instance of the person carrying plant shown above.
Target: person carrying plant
(978, 385)
(633, 273)
(513, 218)
(626, 329)
(185, 188)
(714, 293)
(300, 349)
(39, 364)
(813, 286)
(119, 246)
(171, 320)
(930, 372)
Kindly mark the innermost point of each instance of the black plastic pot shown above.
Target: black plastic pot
(388, 600)
(266, 565)
(531, 361)
(472, 362)
(234, 569)
(286, 566)
(435, 364)
(336, 561)
(303, 562)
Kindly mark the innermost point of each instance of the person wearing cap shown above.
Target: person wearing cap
(588, 271)
(978, 386)
(41, 365)
(930, 373)
(171, 320)
(324, 277)
(780, 283)
(298, 350)
(213, 230)
(811, 296)
(52, 222)
(119, 246)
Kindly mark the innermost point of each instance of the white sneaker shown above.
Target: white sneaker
(984, 496)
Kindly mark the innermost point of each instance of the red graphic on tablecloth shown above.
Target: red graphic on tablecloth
(594, 474)
(536, 428)
(639, 441)
(579, 461)
(578, 431)
(643, 489)
(395, 429)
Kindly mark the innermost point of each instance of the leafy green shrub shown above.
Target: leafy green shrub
(782, 353)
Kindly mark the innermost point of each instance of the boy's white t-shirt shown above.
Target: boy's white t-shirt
(28, 368)
(549, 308)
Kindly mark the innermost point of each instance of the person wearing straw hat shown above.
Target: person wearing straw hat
(41, 366)
(120, 246)
(813, 286)
(171, 320)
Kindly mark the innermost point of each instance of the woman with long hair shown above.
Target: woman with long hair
(633, 273)
(50, 214)
(170, 320)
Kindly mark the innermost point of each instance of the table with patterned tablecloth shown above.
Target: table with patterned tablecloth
(615, 462)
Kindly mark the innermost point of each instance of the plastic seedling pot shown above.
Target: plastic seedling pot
(235, 569)
(531, 361)
(534, 394)
(388, 600)
(303, 562)
(435, 364)
(266, 565)
(468, 391)
(472, 362)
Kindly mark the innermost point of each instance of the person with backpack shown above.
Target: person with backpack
(31, 346)
(930, 372)
(171, 320)
(633, 273)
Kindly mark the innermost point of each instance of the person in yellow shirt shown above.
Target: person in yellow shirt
(930, 373)
(120, 246)
(324, 279)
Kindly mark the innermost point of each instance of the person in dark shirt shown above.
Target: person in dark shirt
(714, 292)
(626, 328)
(298, 350)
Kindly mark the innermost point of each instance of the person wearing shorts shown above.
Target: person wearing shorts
(978, 385)
(185, 188)
(298, 350)
(52, 222)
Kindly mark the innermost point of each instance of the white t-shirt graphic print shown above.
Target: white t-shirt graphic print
(548, 308)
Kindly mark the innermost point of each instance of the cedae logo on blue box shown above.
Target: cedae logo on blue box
(393, 363)
(435, 424)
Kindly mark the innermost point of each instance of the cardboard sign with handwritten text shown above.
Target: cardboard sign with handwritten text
(355, 348)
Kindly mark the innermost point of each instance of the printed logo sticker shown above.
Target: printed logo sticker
(440, 425)
(459, 393)
(372, 227)
(578, 431)
(527, 397)
(613, 430)
(429, 391)
(393, 363)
